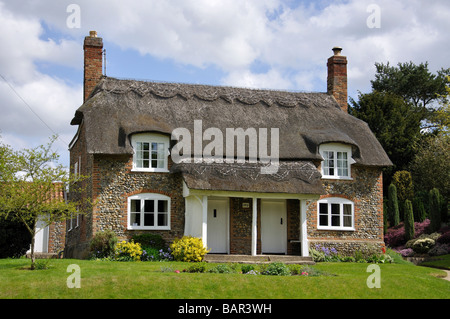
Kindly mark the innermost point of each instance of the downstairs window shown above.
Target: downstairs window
(149, 211)
(335, 213)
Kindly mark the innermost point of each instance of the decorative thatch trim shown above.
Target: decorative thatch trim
(291, 177)
(120, 108)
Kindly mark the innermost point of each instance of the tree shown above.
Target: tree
(419, 210)
(435, 210)
(394, 215)
(409, 220)
(395, 123)
(414, 83)
(431, 165)
(28, 178)
(15, 238)
(404, 184)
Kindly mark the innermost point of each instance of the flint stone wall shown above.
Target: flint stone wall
(366, 191)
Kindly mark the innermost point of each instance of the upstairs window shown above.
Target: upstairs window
(150, 152)
(337, 159)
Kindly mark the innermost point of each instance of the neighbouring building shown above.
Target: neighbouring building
(326, 188)
(50, 239)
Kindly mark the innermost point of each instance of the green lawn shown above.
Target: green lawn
(137, 280)
(442, 262)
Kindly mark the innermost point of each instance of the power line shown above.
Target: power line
(31, 109)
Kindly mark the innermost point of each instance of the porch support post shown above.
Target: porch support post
(204, 220)
(303, 229)
(254, 226)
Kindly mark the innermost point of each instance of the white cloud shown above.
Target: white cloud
(272, 79)
(27, 90)
(291, 39)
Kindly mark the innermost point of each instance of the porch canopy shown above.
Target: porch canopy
(292, 180)
(300, 177)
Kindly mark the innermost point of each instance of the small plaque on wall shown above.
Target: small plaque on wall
(245, 205)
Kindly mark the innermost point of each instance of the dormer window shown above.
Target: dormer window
(151, 152)
(337, 159)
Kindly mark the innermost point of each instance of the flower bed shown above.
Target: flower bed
(423, 244)
(271, 269)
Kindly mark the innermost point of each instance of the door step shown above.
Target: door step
(258, 259)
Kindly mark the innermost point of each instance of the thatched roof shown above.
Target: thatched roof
(117, 109)
(298, 177)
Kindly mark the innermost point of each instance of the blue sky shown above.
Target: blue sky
(273, 44)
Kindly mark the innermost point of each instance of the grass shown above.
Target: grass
(147, 280)
(442, 262)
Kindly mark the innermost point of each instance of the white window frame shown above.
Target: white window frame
(334, 202)
(336, 148)
(74, 219)
(148, 196)
(150, 138)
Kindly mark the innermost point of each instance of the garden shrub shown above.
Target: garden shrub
(395, 236)
(433, 236)
(276, 269)
(153, 254)
(103, 244)
(150, 240)
(321, 253)
(444, 238)
(197, 267)
(422, 246)
(439, 250)
(188, 249)
(128, 251)
(42, 264)
(406, 252)
(422, 228)
(296, 269)
(247, 268)
(222, 269)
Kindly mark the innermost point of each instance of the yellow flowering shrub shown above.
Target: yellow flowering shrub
(128, 251)
(188, 249)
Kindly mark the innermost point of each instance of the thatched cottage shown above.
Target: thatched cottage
(183, 159)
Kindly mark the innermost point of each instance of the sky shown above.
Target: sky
(267, 44)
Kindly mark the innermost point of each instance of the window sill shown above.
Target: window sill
(338, 178)
(148, 228)
(146, 170)
(336, 228)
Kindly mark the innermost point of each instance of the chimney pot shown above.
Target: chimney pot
(93, 34)
(337, 51)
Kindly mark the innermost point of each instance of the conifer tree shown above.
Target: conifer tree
(409, 220)
(393, 206)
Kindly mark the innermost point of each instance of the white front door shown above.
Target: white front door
(273, 227)
(218, 226)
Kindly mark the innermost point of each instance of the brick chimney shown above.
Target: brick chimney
(337, 77)
(93, 62)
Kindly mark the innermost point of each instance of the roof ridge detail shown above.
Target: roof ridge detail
(210, 93)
